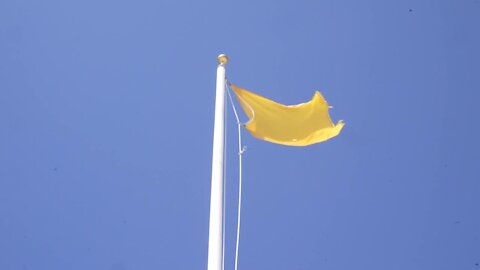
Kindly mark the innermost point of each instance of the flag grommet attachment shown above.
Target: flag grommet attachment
(222, 59)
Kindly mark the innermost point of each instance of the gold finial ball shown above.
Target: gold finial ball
(222, 59)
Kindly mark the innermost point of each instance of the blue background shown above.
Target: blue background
(106, 124)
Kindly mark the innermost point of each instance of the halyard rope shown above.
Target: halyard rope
(241, 150)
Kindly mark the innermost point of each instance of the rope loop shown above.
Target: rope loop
(244, 149)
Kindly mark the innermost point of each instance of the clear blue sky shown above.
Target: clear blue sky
(106, 123)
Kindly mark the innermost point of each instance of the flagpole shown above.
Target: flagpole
(215, 236)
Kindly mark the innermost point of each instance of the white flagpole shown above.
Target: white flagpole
(215, 236)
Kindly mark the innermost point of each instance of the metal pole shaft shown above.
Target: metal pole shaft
(215, 237)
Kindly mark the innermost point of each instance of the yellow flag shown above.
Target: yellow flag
(295, 125)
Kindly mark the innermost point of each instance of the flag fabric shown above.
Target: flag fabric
(295, 125)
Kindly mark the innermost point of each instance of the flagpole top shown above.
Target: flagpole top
(222, 59)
